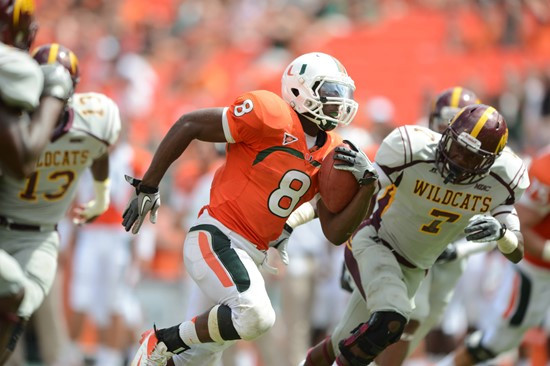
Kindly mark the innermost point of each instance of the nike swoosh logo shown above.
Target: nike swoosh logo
(143, 203)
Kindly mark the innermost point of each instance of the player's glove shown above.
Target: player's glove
(147, 200)
(57, 82)
(356, 162)
(449, 254)
(281, 243)
(484, 229)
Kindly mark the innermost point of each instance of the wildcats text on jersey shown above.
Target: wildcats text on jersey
(446, 196)
(63, 158)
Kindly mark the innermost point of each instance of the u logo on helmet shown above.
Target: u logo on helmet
(302, 70)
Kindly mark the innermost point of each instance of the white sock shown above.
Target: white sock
(188, 333)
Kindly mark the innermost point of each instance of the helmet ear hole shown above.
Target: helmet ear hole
(295, 91)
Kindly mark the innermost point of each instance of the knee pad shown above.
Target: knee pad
(476, 349)
(369, 339)
(248, 324)
(254, 321)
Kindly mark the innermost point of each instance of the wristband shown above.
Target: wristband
(546, 251)
(508, 243)
(101, 190)
(142, 188)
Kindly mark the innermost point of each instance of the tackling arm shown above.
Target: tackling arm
(502, 227)
(204, 125)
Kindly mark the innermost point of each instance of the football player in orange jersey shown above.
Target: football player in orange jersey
(275, 146)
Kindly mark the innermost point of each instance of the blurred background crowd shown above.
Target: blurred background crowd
(159, 59)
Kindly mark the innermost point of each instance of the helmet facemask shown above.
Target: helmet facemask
(460, 159)
(330, 103)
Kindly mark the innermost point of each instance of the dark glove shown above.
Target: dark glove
(281, 243)
(484, 229)
(448, 255)
(147, 200)
(356, 162)
(57, 81)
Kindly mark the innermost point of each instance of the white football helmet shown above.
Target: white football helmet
(317, 86)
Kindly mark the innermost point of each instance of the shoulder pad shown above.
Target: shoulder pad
(97, 115)
(406, 144)
(257, 114)
(511, 171)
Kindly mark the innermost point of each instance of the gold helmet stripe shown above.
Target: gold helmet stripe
(52, 56)
(74, 61)
(26, 6)
(481, 121)
(502, 142)
(455, 97)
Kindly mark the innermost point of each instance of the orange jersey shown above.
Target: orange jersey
(269, 170)
(537, 197)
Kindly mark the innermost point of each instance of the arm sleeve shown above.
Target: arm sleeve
(507, 215)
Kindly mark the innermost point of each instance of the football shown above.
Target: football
(337, 187)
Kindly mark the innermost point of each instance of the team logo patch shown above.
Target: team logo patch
(288, 139)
